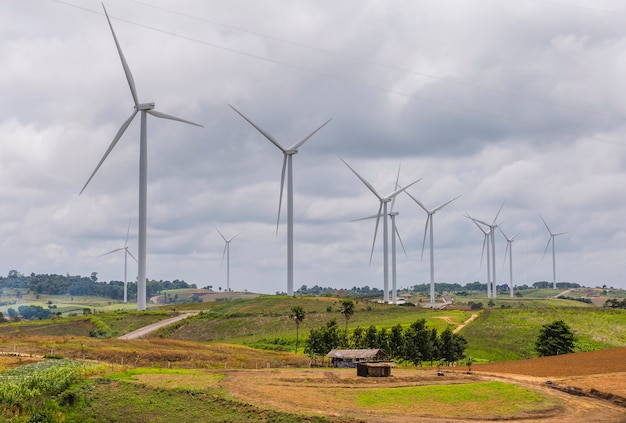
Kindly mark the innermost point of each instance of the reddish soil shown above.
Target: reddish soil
(588, 386)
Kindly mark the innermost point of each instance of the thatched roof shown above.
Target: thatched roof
(366, 354)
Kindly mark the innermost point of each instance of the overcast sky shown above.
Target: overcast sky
(517, 102)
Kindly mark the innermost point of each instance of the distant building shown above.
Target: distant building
(369, 362)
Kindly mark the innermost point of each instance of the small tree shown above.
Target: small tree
(555, 338)
(347, 310)
(297, 314)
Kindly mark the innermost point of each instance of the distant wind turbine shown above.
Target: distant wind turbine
(492, 226)
(382, 212)
(287, 166)
(429, 228)
(486, 234)
(394, 233)
(144, 108)
(509, 248)
(126, 254)
(551, 240)
(227, 254)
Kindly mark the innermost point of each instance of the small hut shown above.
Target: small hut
(374, 369)
(350, 358)
(369, 362)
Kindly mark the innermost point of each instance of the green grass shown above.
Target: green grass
(483, 398)
(118, 401)
(510, 334)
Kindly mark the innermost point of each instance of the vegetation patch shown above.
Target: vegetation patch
(456, 400)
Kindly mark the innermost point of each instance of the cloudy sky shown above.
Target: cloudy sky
(516, 102)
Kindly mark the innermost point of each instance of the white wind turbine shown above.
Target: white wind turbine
(126, 254)
(382, 212)
(227, 254)
(482, 254)
(287, 166)
(394, 233)
(509, 248)
(551, 240)
(429, 228)
(492, 226)
(144, 108)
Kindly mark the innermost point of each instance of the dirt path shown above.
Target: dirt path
(154, 326)
(465, 323)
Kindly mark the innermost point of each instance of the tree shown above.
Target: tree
(322, 340)
(297, 315)
(347, 309)
(555, 338)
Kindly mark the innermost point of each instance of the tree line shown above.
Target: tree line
(52, 284)
(415, 344)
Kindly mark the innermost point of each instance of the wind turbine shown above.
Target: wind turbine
(551, 239)
(482, 254)
(427, 228)
(144, 108)
(287, 165)
(509, 248)
(227, 254)
(383, 207)
(394, 233)
(492, 226)
(126, 254)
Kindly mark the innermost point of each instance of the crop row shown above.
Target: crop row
(44, 377)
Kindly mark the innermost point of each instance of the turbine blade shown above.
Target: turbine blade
(497, 214)
(127, 233)
(503, 234)
(233, 237)
(162, 115)
(445, 204)
(261, 130)
(111, 146)
(111, 252)
(224, 253)
(305, 139)
(393, 202)
(398, 191)
(482, 254)
(417, 201)
(425, 233)
(547, 245)
(544, 222)
(365, 218)
(131, 254)
(508, 244)
(129, 76)
(400, 239)
(367, 184)
(561, 233)
(282, 186)
(376, 231)
(221, 234)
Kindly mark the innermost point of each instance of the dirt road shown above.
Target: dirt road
(151, 328)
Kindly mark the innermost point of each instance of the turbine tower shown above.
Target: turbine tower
(427, 228)
(144, 108)
(382, 212)
(551, 240)
(287, 164)
(227, 254)
(126, 254)
(509, 248)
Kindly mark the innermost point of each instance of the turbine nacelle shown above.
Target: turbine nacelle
(145, 106)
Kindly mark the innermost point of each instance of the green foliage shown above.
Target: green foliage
(100, 329)
(506, 334)
(322, 340)
(554, 339)
(47, 377)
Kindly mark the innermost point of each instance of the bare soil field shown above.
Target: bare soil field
(581, 387)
